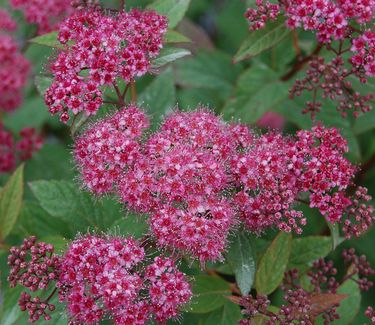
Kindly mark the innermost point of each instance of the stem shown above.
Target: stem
(122, 5)
(51, 295)
(299, 64)
(295, 43)
(133, 90)
(119, 95)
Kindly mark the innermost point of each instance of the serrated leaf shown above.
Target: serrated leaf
(209, 70)
(350, 306)
(273, 264)
(171, 36)
(308, 249)
(42, 83)
(252, 97)
(226, 315)
(209, 294)
(11, 202)
(64, 200)
(242, 259)
(168, 55)
(322, 302)
(174, 10)
(261, 40)
(49, 40)
(156, 104)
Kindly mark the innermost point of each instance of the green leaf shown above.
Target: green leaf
(174, 10)
(241, 257)
(252, 94)
(364, 123)
(58, 159)
(261, 40)
(210, 70)
(11, 202)
(349, 307)
(32, 113)
(172, 36)
(34, 220)
(168, 55)
(64, 200)
(209, 294)
(160, 96)
(273, 264)
(335, 234)
(229, 314)
(308, 249)
(42, 83)
(49, 40)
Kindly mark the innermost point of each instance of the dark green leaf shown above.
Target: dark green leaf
(335, 234)
(175, 37)
(209, 294)
(257, 91)
(349, 307)
(242, 259)
(64, 200)
(42, 83)
(11, 202)
(174, 10)
(160, 96)
(49, 40)
(262, 39)
(273, 264)
(308, 249)
(229, 314)
(210, 70)
(168, 55)
(33, 113)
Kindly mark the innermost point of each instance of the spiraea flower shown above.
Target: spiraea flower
(98, 50)
(267, 177)
(46, 15)
(6, 21)
(179, 181)
(108, 148)
(105, 277)
(14, 70)
(13, 150)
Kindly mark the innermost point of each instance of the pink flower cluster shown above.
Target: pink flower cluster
(23, 149)
(6, 21)
(198, 176)
(180, 182)
(45, 14)
(259, 16)
(99, 49)
(14, 70)
(364, 47)
(105, 277)
(110, 147)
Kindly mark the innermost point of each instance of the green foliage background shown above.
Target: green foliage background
(53, 208)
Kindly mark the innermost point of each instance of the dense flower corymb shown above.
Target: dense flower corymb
(6, 21)
(14, 70)
(12, 151)
(99, 279)
(45, 14)
(99, 49)
(109, 147)
(179, 181)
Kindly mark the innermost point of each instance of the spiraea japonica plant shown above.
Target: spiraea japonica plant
(157, 166)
